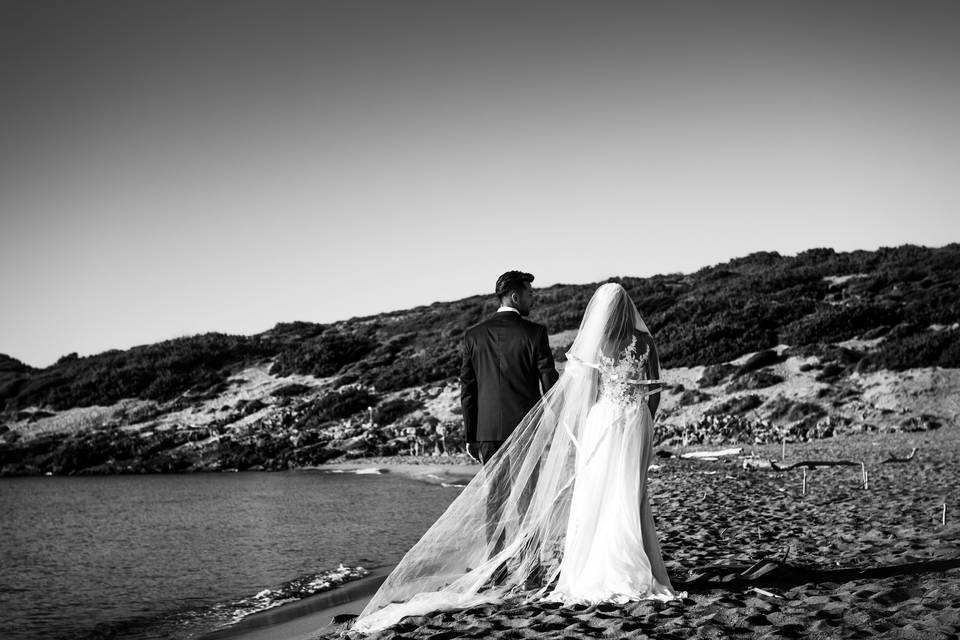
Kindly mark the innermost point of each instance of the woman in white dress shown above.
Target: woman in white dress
(573, 519)
(611, 552)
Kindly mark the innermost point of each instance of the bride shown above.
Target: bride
(570, 519)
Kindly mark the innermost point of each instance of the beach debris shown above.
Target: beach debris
(370, 471)
(811, 464)
(757, 463)
(760, 568)
(712, 454)
(786, 554)
(894, 459)
(764, 592)
(343, 617)
(296, 589)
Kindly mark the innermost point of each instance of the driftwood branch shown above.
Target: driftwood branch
(700, 455)
(894, 458)
(811, 464)
(712, 455)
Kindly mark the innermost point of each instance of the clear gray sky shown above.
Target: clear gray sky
(174, 167)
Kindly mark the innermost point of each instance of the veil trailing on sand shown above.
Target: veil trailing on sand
(502, 538)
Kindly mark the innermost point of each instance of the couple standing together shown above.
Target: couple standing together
(559, 511)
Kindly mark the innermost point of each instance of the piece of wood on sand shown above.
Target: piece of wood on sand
(708, 455)
(892, 458)
(812, 464)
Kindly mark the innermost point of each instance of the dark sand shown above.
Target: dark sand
(760, 560)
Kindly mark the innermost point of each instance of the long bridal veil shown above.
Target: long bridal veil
(503, 536)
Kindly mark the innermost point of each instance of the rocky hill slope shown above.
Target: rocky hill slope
(759, 349)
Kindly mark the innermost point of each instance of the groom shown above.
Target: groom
(507, 365)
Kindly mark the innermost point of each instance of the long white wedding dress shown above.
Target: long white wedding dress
(611, 552)
(561, 511)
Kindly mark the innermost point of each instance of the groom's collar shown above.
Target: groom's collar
(501, 309)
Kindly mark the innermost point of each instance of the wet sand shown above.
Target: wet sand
(306, 618)
(434, 470)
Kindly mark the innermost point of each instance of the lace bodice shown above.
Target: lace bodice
(618, 377)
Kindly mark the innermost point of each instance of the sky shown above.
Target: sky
(175, 167)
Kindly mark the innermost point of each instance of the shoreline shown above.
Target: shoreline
(451, 473)
(312, 617)
(307, 618)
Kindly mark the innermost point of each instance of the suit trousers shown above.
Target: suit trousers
(499, 490)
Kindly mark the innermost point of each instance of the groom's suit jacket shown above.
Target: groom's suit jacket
(506, 360)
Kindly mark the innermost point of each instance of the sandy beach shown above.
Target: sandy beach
(758, 557)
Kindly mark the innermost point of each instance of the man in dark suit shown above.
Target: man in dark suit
(507, 366)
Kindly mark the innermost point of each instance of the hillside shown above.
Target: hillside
(756, 349)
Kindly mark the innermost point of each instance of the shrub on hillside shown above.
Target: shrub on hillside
(830, 372)
(904, 330)
(160, 371)
(342, 403)
(290, 390)
(248, 407)
(693, 396)
(324, 355)
(715, 374)
(737, 405)
(296, 332)
(438, 361)
(840, 355)
(9, 364)
(927, 349)
(759, 360)
(390, 411)
(876, 332)
(753, 380)
(835, 324)
(784, 409)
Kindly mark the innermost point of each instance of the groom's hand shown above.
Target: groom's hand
(473, 450)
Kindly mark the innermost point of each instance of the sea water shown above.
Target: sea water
(176, 556)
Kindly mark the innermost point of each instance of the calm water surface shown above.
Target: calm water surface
(136, 557)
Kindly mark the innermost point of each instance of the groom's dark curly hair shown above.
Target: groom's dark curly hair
(512, 281)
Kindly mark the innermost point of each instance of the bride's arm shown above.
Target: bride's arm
(653, 401)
